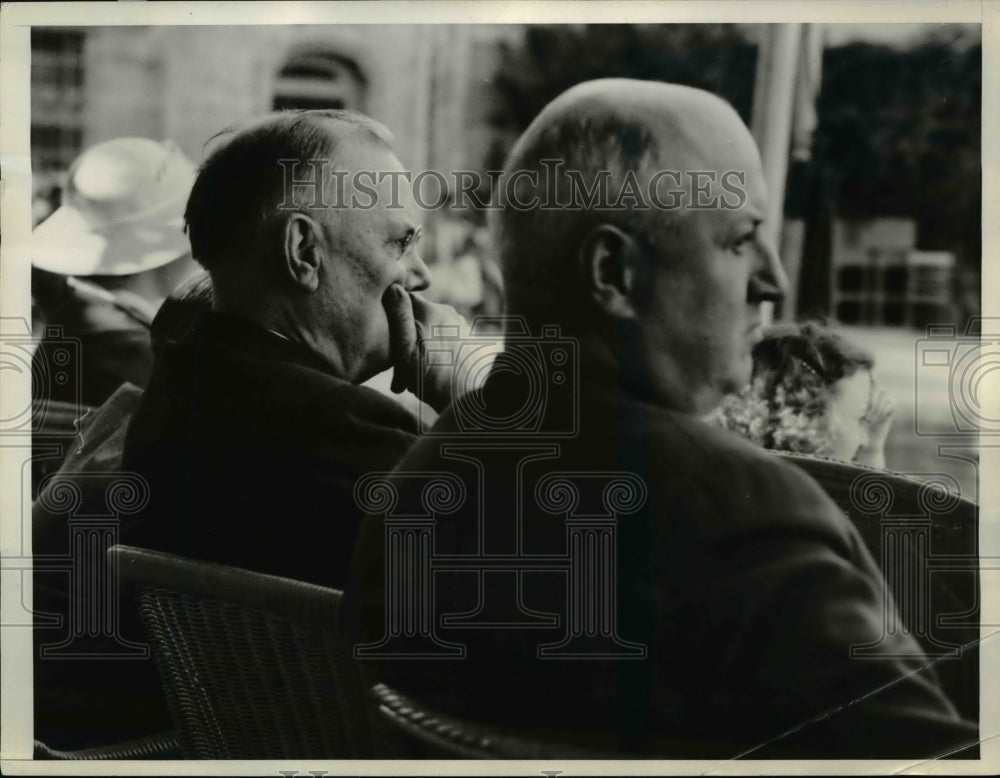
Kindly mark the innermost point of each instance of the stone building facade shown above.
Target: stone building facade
(430, 84)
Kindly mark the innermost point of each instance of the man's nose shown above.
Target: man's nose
(769, 282)
(418, 275)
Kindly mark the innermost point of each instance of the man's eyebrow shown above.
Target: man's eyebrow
(407, 229)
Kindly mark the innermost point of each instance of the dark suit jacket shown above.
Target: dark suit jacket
(741, 578)
(250, 448)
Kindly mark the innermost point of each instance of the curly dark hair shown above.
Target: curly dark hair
(795, 367)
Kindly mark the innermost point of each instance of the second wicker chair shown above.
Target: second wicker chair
(253, 665)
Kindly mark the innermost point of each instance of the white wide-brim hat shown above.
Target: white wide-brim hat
(122, 213)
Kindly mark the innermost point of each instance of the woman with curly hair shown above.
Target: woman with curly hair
(812, 392)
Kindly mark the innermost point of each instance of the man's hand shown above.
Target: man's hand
(412, 320)
(876, 422)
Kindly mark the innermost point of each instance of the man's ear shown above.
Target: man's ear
(608, 259)
(302, 241)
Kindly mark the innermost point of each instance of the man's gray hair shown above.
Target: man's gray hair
(242, 181)
(538, 246)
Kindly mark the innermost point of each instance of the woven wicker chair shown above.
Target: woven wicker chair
(162, 746)
(901, 495)
(939, 526)
(422, 732)
(252, 665)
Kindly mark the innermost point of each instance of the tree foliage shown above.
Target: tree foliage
(551, 59)
(898, 130)
(899, 134)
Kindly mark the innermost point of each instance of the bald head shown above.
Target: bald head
(685, 125)
(643, 140)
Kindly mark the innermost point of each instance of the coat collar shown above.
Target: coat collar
(219, 330)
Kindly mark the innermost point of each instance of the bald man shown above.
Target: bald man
(680, 593)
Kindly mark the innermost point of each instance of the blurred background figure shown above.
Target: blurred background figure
(812, 392)
(107, 258)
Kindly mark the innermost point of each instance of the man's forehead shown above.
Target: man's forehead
(358, 151)
(755, 187)
(402, 219)
(716, 149)
(369, 168)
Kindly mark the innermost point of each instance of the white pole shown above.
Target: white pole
(771, 123)
(804, 120)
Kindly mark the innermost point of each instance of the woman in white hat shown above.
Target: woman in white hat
(110, 255)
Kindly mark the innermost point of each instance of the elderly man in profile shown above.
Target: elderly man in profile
(735, 593)
(254, 428)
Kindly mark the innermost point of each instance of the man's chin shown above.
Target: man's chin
(376, 362)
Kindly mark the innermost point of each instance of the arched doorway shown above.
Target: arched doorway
(317, 79)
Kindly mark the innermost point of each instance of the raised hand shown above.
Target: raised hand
(412, 320)
(876, 423)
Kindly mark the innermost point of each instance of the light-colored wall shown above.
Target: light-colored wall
(123, 83)
(188, 83)
(430, 84)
